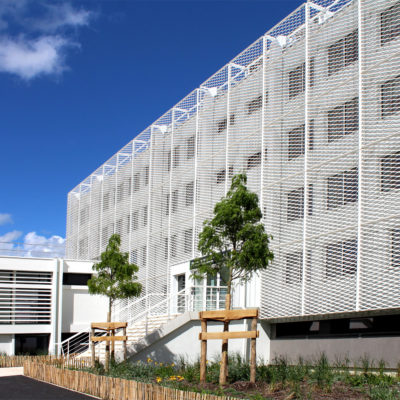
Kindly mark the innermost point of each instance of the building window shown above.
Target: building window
(120, 192)
(174, 243)
(295, 204)
(310, 205)
(254, 105)
(128, 184)
(169, 161)
(104, 236)
(136, 182)
(120, 226)
(297, 81)
(296, 143)
(146, 175)
(390, 172)
(175, 201)
(144, 255)
(311, 135)
(254, 160)
(341, 258)
(390, 23)
(190, 147)
(232, 119)
(167, 200)
(135, 220)
(176, 157)
(84, 215)
(145, 215)
(343, 52)
(294, 267)
(134, 257)
(395, 248)
(390, 97)
(83, 247)
(342, 189)
(189, 193)
(221, 125)
(221, 176)
(188, 241)
(70, 278)
(343, 120)
(166, 248)
(106, 201)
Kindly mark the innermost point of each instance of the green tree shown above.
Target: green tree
(233, 243)
(115, 277)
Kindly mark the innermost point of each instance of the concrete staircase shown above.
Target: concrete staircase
(135, 332)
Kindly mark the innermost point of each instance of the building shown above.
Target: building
(311, 112)
(43, 301)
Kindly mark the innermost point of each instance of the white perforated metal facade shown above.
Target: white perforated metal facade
(311, 112)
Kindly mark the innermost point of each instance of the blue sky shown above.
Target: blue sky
(80, 79)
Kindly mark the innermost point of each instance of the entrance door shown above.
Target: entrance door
(181, 280)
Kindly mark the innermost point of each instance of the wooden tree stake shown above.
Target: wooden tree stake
(203, 359)
(253, 360)
(124, 344)
(93, 350)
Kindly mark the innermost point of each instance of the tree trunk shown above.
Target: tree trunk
(223, 372)
(107, 360)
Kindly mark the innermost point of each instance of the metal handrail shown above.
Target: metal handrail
(74, 343)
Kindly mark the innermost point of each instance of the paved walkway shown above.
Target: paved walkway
(20, 387)
(11, 371)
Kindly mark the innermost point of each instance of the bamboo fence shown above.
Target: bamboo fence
(18, 361)
(108, 388)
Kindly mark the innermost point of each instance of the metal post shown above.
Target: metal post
(150, 183)
(79, 221)
(195, 170)
(360, 136)
(170, 199)
(228, 100)
(115, 194)
(131, 201)
(101, 208)
(306, 142)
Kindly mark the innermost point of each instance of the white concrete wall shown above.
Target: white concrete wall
(7, 344)
(184, 342)
(79, 308)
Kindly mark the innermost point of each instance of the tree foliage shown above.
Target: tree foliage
(115, 277)
(234, 240)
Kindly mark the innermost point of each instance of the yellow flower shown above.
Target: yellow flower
(161, 364)
(172, 378)
(180, 378)
(158, 379)
(149, 360)
(156, 363)
(172, 365)
(206, 361)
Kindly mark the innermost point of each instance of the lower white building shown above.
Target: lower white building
(43, 301)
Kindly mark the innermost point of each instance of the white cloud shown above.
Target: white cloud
(5, 219)
(45, 35)
(39, 246)
(33, 245)
(61, 16)
(32, 58)
(7, 247)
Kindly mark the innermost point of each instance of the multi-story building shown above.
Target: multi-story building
(311, 112)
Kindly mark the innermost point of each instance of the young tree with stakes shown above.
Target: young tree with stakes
(115, 278)
(233, 243)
